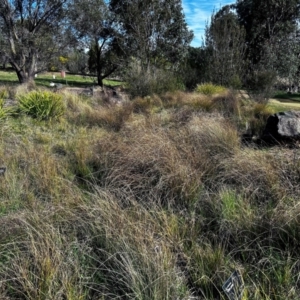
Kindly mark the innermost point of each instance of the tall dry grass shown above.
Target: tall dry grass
(165, 205)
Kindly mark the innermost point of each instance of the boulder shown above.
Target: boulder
(282, 126)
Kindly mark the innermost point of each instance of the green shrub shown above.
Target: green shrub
(261, 85)
(235, 82)
(209, 89)
(42, 105)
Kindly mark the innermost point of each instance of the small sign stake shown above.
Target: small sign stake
(234, 286)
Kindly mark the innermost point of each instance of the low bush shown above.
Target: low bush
(209, 89)
(42, 105)
(141, 83)
(261, 85)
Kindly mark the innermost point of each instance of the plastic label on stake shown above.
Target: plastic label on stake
(234, 286)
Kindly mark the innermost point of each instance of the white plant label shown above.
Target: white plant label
(234, 286)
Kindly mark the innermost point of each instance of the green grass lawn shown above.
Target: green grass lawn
(44, 79)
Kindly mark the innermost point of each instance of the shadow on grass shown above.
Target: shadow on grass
(8, 82)
(287, 97)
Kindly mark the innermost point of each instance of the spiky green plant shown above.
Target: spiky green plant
(43, 105)
(209, 89)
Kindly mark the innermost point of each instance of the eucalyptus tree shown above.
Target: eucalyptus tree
(33, 33)
(225, 44)
(96, 27)
(266, 23)
(272, 40)
(155, 31)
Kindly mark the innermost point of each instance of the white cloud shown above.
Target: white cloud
(198, 13)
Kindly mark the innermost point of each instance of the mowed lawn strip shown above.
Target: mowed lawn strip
(44, 79)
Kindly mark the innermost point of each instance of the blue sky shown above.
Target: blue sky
(197, 13)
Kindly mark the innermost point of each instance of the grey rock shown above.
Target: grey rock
(282, 126)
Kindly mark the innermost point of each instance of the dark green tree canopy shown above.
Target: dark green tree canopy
(266, 20)
(155, 30)
(257, 41)
(225, 42)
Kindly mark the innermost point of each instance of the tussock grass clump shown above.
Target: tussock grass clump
(21, 89)
(207, 269)
(217, 137)
(227, 103)
(254, 173)
(147, 164)
(39, 265)
(147, 104)
(209, 141)
(179, 99)
(199, 102)
(209, 89)
(145, 202)
(135, 260)
(42, 105)
(95, 248)
(81, 112)
(173, 99)
(74, 102)
(111, 118)
(234, 207)
(5, 111)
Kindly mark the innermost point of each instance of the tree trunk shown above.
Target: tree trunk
(26, 73)
(23, 76)
(99, 68)
(99, 79)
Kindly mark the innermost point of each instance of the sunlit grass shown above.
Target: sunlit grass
(152, 199)
(44, 79)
